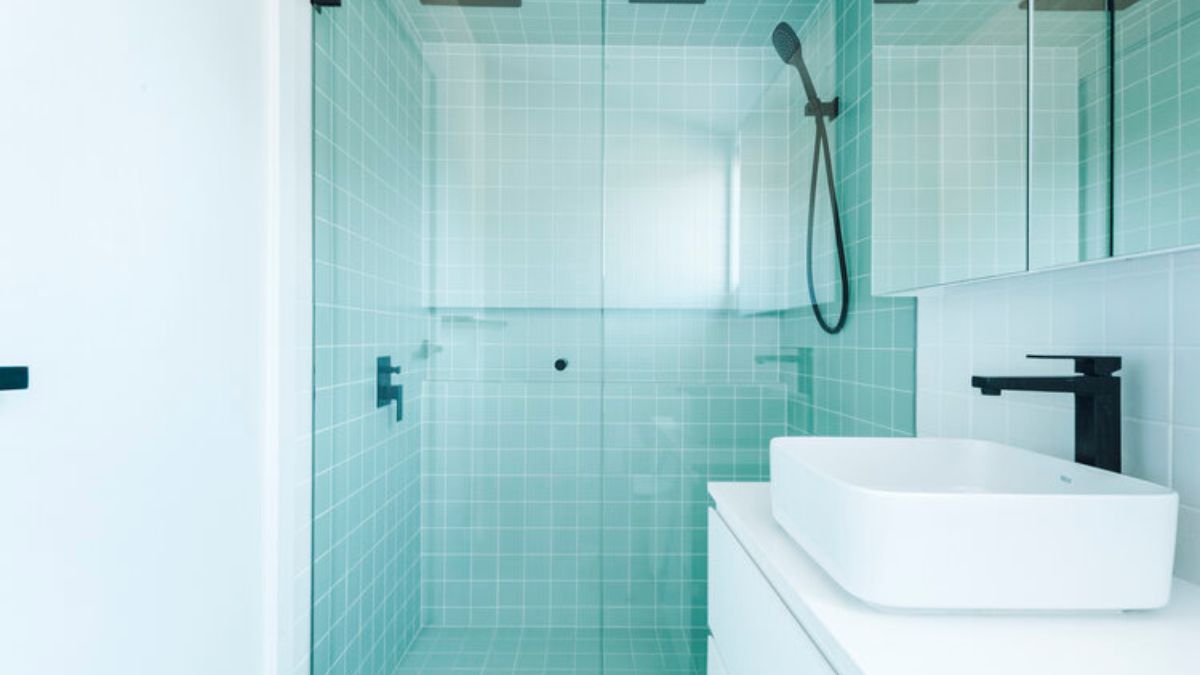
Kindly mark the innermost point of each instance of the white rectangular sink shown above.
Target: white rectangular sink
(946, 524)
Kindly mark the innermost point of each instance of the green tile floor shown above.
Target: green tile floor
(552, 651)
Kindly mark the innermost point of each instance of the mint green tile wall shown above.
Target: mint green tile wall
(1055, 158)
(680, 346)
(663, 443)
(672, 117)
(515, 194)
(1158, 125)
(511, 511)
(949, 160)
(550, 497)
(1094, 125)
(367, 269)
(820, 37)
(860, 382)
(514, 452)
(688, 396)
(515, 459)
(764, 228)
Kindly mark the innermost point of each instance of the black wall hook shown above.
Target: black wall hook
(13, 378)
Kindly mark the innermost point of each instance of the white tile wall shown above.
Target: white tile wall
(1145, 310)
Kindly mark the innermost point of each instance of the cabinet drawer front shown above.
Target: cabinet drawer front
(753, 629)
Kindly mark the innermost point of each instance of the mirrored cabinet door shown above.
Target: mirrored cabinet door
(950, 141)
(1016, 135)
(1070, 161)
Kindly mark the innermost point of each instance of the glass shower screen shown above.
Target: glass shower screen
(574, 227)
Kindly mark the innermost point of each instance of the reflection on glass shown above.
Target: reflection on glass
(1157, 125)
(950, 142)
(1069, 172)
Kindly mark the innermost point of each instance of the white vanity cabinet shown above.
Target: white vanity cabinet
(773, 610)
(753, 631)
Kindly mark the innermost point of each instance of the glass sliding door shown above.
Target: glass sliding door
(576, 231)
(458, 232)
(510, 478)
(704, 245)
(1071, 131)
(369, 303)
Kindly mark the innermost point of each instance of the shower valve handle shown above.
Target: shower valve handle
(385, 391)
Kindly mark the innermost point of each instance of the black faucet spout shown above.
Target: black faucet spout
(994, 386)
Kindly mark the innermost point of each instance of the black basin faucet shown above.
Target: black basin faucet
(1097, 404)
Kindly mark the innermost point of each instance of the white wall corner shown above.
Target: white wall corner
(288, 366)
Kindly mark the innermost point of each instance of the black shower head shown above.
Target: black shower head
(787, 43)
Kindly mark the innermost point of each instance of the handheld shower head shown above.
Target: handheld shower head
(787, 43)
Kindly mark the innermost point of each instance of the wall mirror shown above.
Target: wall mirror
(1008, 139)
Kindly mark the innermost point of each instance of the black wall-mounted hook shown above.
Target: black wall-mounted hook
(830, 109)
(319, 4)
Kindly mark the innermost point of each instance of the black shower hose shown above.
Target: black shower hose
(821, 144)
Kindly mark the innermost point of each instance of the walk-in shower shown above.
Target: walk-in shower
(576, 229)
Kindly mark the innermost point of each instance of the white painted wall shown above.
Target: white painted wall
(1143, 310)
(287, 495)
(144, 278)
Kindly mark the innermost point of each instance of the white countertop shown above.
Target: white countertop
(861, 640)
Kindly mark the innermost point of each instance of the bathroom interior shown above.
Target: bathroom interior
(680, 337)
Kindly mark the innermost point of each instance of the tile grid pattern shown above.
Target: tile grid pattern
(940, 133)
(494, 356)
(1094, 125)
(663, 443)
(672, 116)
(554, 651)
(516, 190)
(679, 410)
(1158, 129)
(686, 401)
(367, 276)
(949, 161)
(762, 230)
(979, 22)
(515, 201)
(1140, 309)
(511, 504)
(1056, 164)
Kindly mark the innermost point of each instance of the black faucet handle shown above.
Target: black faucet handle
(1095, 366)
